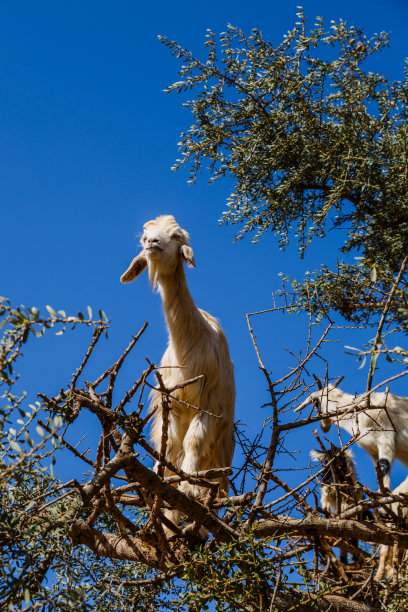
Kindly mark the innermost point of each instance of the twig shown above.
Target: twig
(180, 401)
(140, 583)
(66, 444)
(119, 362)
(129, 394)
(54, 501)
(382, 322)
(267, 466)
(97, 335)
(184, 476)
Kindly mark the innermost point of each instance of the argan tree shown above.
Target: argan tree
(313, 143)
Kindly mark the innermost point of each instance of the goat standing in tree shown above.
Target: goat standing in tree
(340, 488)
(197, 346)
(382, 428)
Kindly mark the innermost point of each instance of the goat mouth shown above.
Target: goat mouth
(152, 249)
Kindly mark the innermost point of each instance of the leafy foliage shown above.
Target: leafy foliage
(35, 548)
(313, 140)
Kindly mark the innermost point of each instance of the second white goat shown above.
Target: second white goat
(381, 429)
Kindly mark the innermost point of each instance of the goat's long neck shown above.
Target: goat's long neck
(184, 320)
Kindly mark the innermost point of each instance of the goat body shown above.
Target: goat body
(200, 431)
(381, 429)
(340, 488)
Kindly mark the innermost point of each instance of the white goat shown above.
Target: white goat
(382, 429)
(340, 471)
(197, 346)
(340, 488)
(386, 561)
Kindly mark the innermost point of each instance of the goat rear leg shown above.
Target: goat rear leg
(196, 446)
(175, 433)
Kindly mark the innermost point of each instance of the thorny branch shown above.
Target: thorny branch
(257, 511)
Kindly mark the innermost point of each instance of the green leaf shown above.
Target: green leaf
(373, 362)
(398, 349)
(360, 367)
(58, 421)
(15, 446)
(52, 312)
(89, 312)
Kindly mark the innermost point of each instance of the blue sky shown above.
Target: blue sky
(87, 140)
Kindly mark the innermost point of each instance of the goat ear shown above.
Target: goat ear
(188, 255)
(136, 267)
(307, 402)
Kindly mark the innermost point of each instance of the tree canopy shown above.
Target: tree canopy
(314, 141)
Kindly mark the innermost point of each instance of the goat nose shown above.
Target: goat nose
(152, 241)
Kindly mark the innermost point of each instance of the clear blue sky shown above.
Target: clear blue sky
(87, 139)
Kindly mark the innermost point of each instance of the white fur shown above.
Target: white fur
(196, 440)
(344, 473)
(340, 471)
(383, 433)
(386, 561)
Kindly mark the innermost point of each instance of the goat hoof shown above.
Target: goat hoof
(384, 466)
